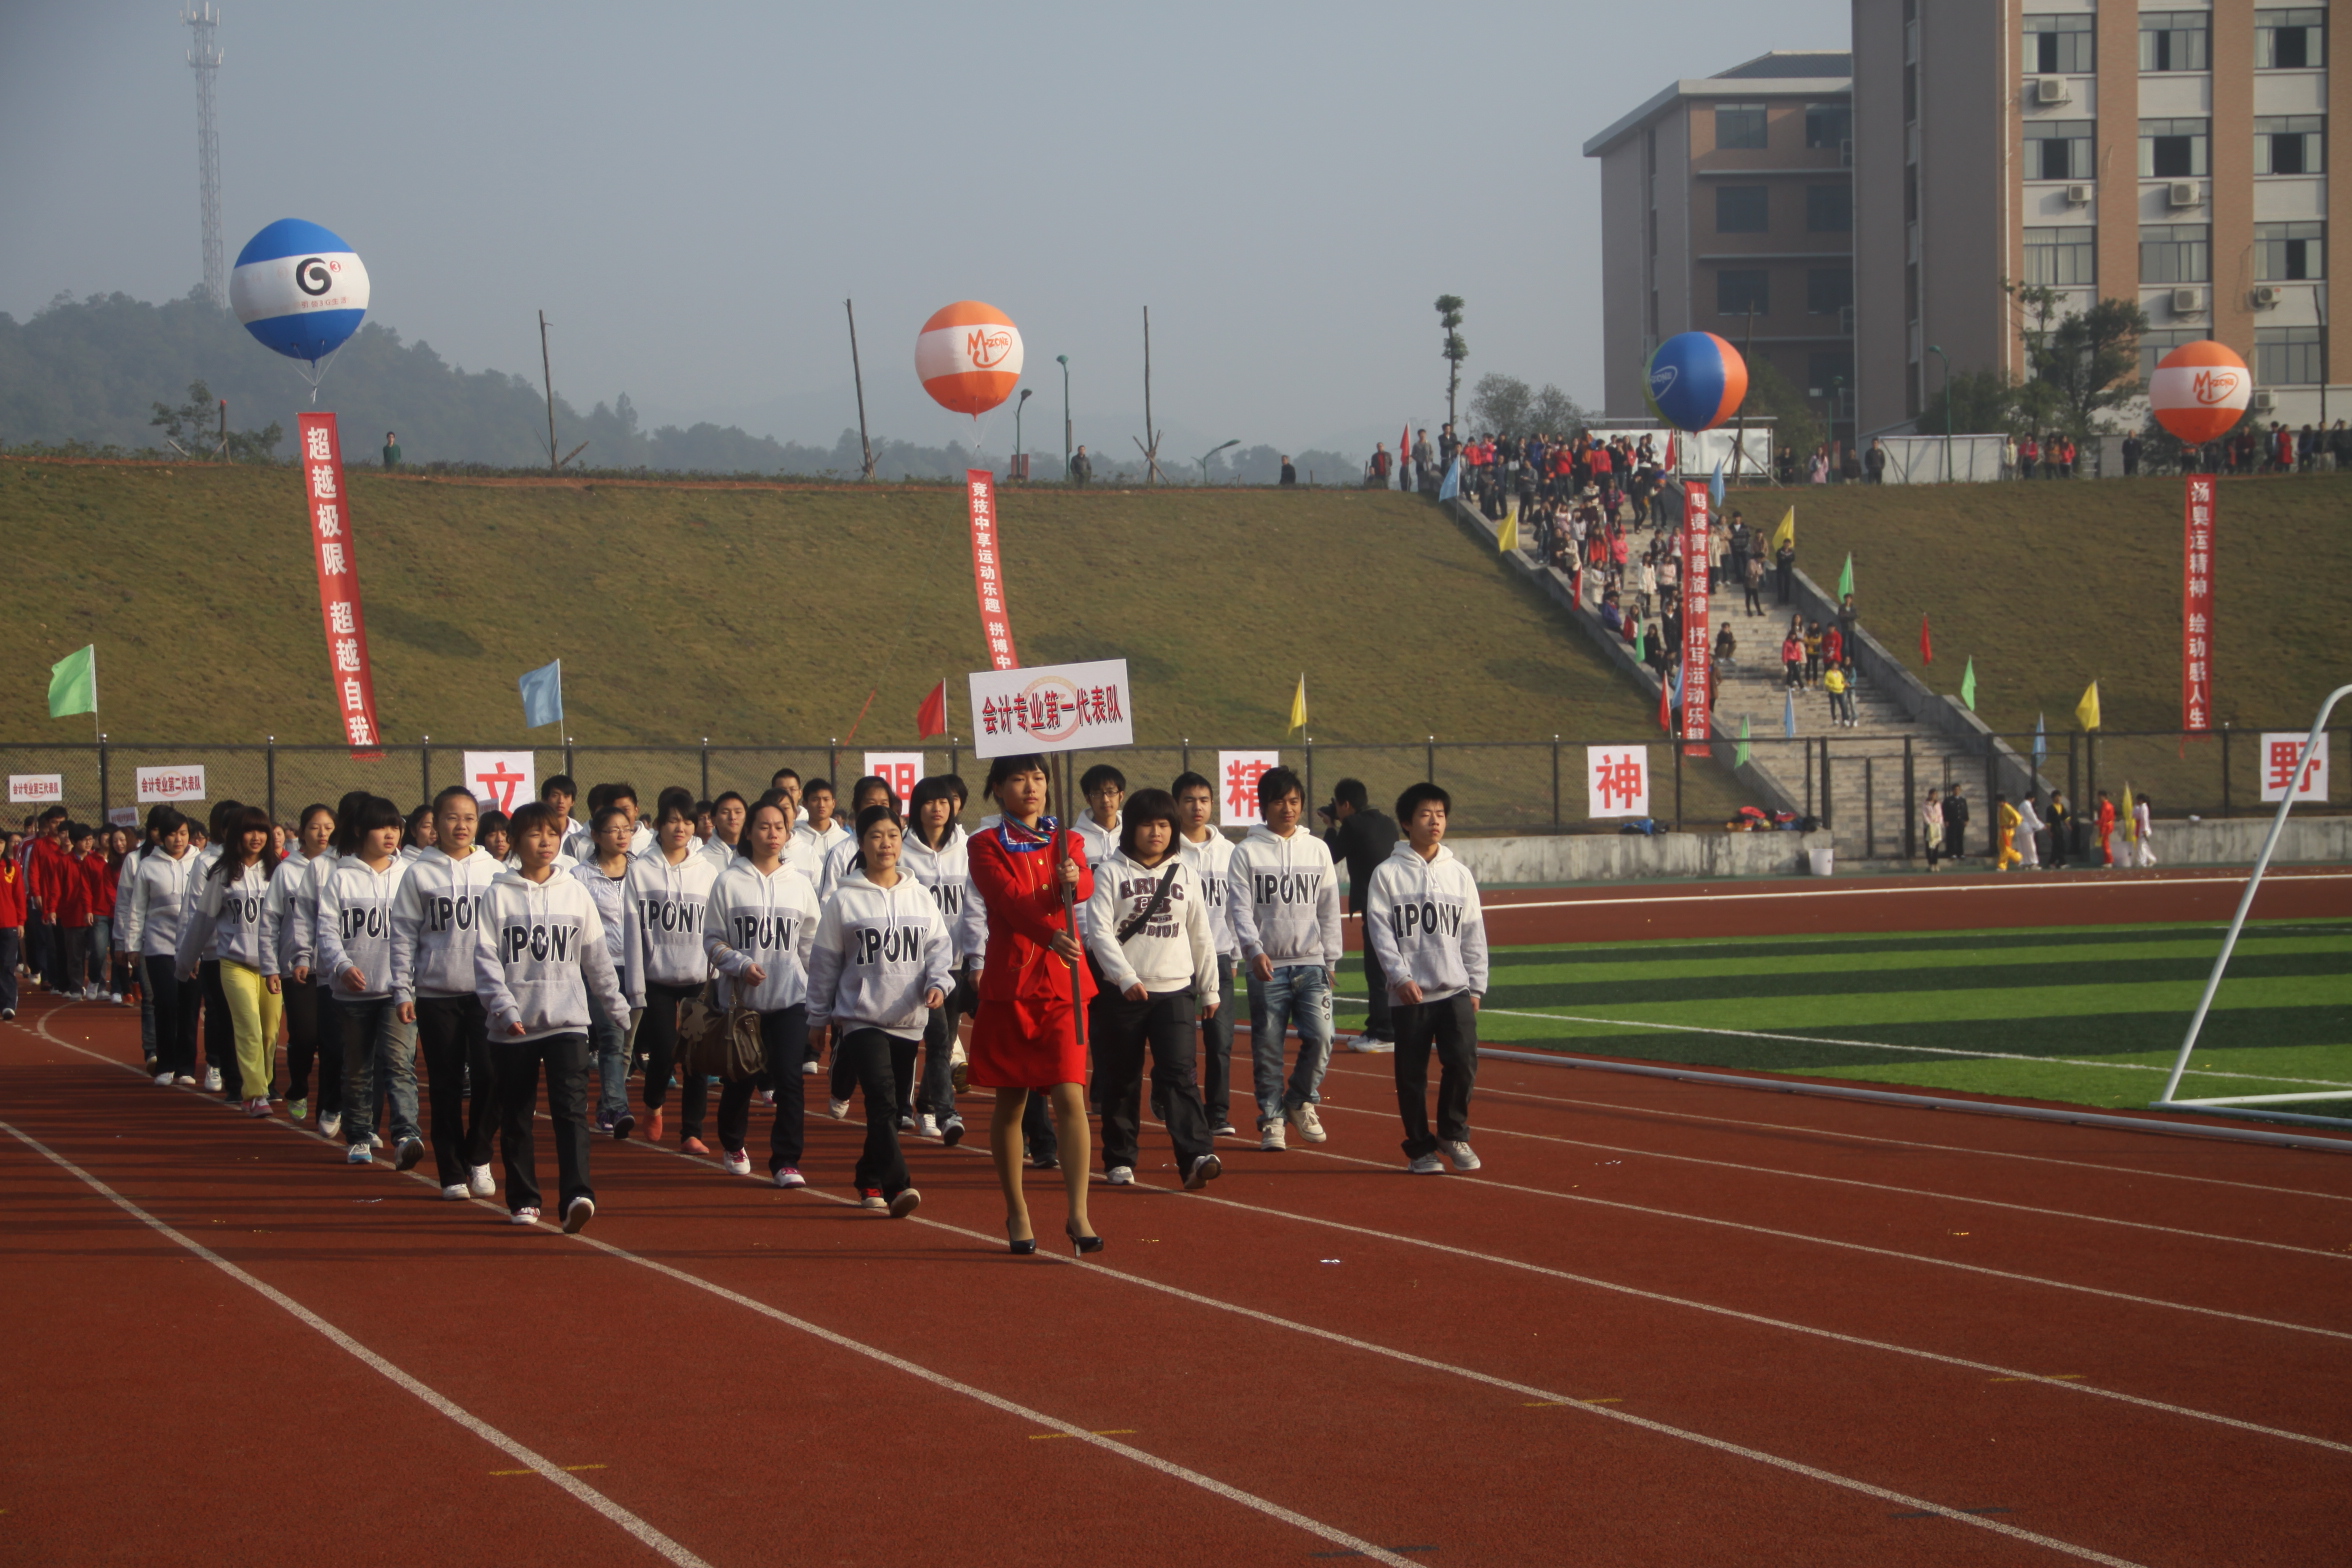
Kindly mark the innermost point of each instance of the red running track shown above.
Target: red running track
(1668, 1323)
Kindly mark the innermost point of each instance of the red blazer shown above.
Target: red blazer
(69, 896)
(1013, 872)
(45, 868)
(103, 872)
(12, 893)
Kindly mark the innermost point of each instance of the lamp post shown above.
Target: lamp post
(1212, 452)
(1063, 360)
(1020, 463)
(1947, 363)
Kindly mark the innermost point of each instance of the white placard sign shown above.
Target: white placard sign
(122, 816)
(179, 781)
(1617, 781)
(44, 789)
(2280, 753)
(1051, 707)
(903, 770)
(1237, 786)
(502, 780)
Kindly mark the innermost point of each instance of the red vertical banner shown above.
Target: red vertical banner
(338, 581)
(2197, 606)
(988, 570)
(1697, 674)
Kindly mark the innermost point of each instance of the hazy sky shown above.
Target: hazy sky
(690, 191)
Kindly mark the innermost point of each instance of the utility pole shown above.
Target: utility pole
(860, 376)
(1151, 453)
(547, 371)
(205, 57)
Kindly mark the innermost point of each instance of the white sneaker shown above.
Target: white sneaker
(1309, 1125)
(375, 1140)
(1120, 1176)
(577, 1214)
(478, 1181)
(1459, 1151)
(330, 1123)
(115, 997)
(767, 1096)
(359, 1154)
(1426, 1165)
(1204, 1170)
(455, 1192)
(789, 1177)
(523, 1217)
(1271, 1139)
(212, 1080)
(1371, 1045)
(929, 1127)
(737, 1161)
(810, 1069)
(837, 1109)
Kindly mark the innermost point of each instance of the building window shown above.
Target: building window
(2158, 342)
(2290, 143)
(2174, 149)
(2172, 40)
(1827, 375)
(2286, 356)
(2289, 252)
(2062, 257)
(2059, 45)
(1828, 290)
(2058, 149)
(1742, 209)
(1829, 209)
(1828, 124)
(2290, 39)
(2176, 253)
(1739, 125)
(1739, 291)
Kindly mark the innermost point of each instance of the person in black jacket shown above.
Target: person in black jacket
(1956, 824)
(1363, 838)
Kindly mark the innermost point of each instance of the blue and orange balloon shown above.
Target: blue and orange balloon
(1696, 381)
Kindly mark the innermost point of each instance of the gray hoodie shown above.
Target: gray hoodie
(1423, 920)
(433, 920)
(877, 952)
(539, 954)
(662, 914)
(764, 919)
(355, 926)
(227, 919)
(1284, 898)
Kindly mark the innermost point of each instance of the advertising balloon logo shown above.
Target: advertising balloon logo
(299, 289)
(968, 357)
(2200, 391)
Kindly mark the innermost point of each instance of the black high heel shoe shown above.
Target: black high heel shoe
(1086, 1245)
(1022, 1246)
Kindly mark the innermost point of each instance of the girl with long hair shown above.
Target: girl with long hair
(293, 904)
(355, 954)
(759, 931)
(152, 931)
(663, 963)
(234, 904)
(937, 854)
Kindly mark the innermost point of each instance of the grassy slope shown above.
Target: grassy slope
(756, 615)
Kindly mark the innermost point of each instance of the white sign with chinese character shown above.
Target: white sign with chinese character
(172, 782)
(1237, 786)
(1051, 707)
(1617, 781)
(902, 769)
(2279, 756)
(502, 780)
(45, 789)
(122, 816)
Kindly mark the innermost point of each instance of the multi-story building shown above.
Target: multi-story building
(2174, 153)
(1727, 206)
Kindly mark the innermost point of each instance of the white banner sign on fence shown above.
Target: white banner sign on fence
(1617, 781)
(903, 770)
(44, 789)
(176, 781)
(1051, 707)
(502, 780)
(1237, 786)
(122, 816)
(2280, 753)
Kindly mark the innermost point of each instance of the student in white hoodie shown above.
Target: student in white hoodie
(842, 846)
(758, 932)
(1425, 925)
(151, 929)
(1210, 855)
(289, 891)
(726, 835)
(1284, 901)
(306, 969)
(1104, 788)
(663, 963)
(878, 965)
(219, 1034)
(129, 949)
(539, 957)
(936, 853)
(355, 954)
(605, 874)
(1149, 931)
(228, 913)
(436, 917)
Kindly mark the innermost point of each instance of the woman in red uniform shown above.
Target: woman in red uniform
(1025, 1039)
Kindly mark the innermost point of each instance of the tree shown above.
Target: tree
(1984, 402)
(1500, 405)
(1554, 412)
(192, 430)
(1771, 394)
(1454, 350)
(2082, 362)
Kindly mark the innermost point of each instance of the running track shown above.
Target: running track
(1667, 1324)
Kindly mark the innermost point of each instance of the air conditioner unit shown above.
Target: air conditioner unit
(2264, 400)
(2052, 89)
(2078, 195)
(2267, 296)
(2182, 193)
(2187, 302)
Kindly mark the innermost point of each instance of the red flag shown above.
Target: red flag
(1926, 648)
(931, 717)
(1665, 705)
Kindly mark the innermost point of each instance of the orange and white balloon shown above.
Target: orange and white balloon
(2200, 391)
(969, 357)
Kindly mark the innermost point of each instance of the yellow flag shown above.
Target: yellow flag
(2086, 712)
(2131, 823)
(1298, 705)
(1786, 533)
(1507, 536)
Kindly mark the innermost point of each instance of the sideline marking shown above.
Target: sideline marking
(1100, 1431)
(1928, 888)
(663, 1545)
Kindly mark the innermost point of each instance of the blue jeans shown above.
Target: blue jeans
(1299, 996)
(608, 1048)
(377, 1046)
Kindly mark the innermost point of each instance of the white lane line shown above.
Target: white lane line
(662, 1545)
(1907, 891)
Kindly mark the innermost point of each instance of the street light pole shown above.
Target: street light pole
(1947, 364)
(1019, 454)
(1212, 452)
(1063, 360)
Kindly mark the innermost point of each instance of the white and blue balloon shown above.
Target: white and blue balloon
(299, 289)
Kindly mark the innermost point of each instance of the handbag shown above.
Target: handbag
(720, 1041)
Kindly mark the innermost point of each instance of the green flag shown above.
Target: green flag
(1641, 645)
(1740, 758)
(73, 683)
(1846, 577)
(1968, 684)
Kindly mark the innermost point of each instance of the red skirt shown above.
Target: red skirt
(1024, 1045)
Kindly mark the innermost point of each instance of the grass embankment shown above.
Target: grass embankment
(2049, 586)
(2089, 1016)
(764, 615)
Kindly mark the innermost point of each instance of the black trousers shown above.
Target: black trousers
(310, 1038)
(453, 1034)
(220, 1031)
(880, 1063)
(1955, 838)
(784, 1035)
(176, 1007)
(11, 949)
(1379, 1025)
(657, 1037)
(1452, 1027)
(1216, 1053)
(1165, 1023)
(517, 1064)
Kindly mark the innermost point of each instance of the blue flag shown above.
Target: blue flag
(543, 695)
(1788, 715)
(1715, 488)
(2041, 742)
(1676, 700)
(1451, 485)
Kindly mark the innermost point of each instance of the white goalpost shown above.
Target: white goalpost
(2255, 1104)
